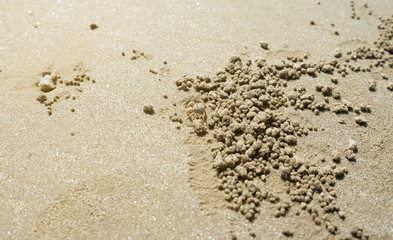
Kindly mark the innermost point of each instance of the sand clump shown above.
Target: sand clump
(254, 139)
(148, 109)
(264, 45)
(93, 26)
(385, 40)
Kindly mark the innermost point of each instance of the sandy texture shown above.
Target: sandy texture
(94, 165)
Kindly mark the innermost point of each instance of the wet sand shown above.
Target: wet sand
(99, 167)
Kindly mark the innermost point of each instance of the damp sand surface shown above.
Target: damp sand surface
(100, 105)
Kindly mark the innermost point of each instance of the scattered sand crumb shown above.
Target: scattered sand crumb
(148, 109)
(93, 26)
(264, 45)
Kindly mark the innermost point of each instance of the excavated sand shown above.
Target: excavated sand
(196, 119)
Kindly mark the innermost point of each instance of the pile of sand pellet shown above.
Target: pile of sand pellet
(253, 138)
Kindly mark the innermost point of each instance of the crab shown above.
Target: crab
(196, 114)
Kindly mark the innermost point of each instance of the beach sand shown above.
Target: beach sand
(88, 160)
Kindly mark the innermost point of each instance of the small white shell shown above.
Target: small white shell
(47, 84)
(199, 108)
